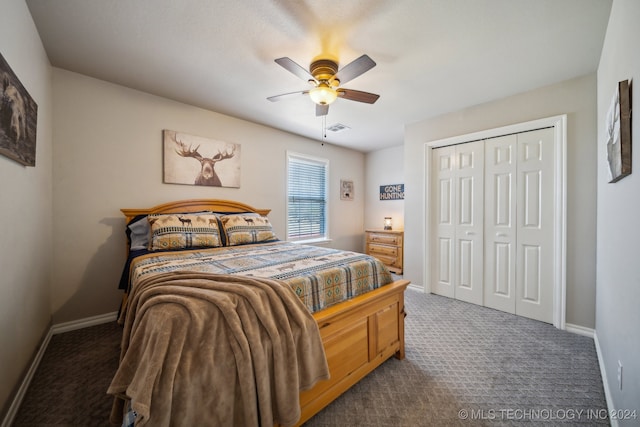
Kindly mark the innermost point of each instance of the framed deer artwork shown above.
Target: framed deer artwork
(195, 160)
(18, 118)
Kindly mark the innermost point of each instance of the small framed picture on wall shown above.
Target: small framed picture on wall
(346, 189)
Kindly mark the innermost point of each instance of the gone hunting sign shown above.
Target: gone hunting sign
(392, 192)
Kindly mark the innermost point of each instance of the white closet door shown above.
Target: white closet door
(469, 222)
(535, 207)
(443, 212)
(457, 213)
(500, 223)
(493, 209)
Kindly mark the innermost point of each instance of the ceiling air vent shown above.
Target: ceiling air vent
(338, 127)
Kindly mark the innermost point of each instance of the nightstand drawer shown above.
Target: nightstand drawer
(387, 239)
(390, 251)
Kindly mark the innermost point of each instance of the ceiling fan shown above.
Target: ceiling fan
(324, 75)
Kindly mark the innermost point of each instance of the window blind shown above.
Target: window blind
(307, 204)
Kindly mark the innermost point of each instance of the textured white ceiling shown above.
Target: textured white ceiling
(433, 56)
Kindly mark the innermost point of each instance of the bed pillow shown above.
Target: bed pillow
(138, 232)
(183, 231)
(241, 229)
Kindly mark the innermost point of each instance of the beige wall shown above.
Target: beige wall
(108, 155)
(383, 167)
(25, 210)
(618, 267)
(577, 99)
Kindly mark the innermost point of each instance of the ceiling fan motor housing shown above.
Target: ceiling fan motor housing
(323, 70)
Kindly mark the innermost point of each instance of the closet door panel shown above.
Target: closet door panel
(535, 207)
(500, 223)
(502, 270)
(532, 199)
(444, 267)
(469, 224)
(443, 221)
(531, 273)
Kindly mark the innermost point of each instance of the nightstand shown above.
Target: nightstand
(386, 245)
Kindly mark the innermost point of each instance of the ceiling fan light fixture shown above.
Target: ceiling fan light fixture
(323, 94)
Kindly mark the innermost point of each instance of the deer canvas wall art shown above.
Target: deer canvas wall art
(195, 160)
(18, 118)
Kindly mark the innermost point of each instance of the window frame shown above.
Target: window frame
(301, 158)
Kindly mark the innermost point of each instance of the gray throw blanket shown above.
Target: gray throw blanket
(214, 349)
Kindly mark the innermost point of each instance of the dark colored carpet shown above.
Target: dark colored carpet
(69, 387)
(465, 365)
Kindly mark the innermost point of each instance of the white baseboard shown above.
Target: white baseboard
(84, 323)
(17, 400)
(53, 330)
(580, 330)
(591, 333)
(416, 287)
(605, 381)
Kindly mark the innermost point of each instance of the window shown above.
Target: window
(306, 197)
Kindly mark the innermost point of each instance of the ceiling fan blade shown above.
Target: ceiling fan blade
(287, 95)
(354, 69)
(322, 110)
(357, 95)
(294, 68)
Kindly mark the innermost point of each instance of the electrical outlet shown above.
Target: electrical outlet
(620, 374)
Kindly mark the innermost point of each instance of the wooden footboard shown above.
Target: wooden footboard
(358, 336)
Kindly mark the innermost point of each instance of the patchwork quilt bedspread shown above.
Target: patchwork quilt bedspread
(319, 276)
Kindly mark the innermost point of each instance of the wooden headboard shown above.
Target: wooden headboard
(195, 205)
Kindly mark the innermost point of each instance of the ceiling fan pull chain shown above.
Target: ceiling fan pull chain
(324, 129)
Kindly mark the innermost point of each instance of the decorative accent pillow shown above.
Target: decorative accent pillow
(183, 231)
(241, 229)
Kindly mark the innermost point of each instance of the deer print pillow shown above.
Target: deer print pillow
(241, 229)
(183, 231)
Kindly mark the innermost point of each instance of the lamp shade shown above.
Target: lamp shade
(323, 94)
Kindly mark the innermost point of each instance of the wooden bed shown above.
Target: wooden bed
(358, 334)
